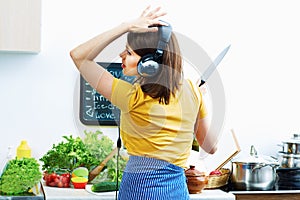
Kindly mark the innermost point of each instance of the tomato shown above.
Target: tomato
(66, 174)
(47, 178)
(66, 185)
(65, 180)
(60, 184)
(53, 184)
(57, 180)
(53, 176)
(216, 172)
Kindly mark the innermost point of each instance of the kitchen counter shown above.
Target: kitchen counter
(54, 193)
(36, 194)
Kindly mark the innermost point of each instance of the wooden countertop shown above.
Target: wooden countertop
(269, 195)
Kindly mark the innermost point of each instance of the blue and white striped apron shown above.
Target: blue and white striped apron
(152, 179)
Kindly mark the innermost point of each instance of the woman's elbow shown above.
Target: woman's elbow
(213, 150)
(209, 147)
(75, 57)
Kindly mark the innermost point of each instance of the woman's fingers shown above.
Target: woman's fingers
(148, 20)
(144, 13)
(153, 14)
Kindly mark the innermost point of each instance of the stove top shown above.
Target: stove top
(287, 179)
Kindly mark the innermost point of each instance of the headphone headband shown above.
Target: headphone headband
(165, 33)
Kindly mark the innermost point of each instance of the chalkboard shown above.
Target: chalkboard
(94, 108)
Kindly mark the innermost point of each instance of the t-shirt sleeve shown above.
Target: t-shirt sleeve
(121, 93)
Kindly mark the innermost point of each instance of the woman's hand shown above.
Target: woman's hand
(146, 21)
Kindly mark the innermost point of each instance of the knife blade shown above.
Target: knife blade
(211, 68)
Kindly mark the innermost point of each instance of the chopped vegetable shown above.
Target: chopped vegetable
(20, 175)
(216, 172)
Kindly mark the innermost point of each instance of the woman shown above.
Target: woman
(159, 114)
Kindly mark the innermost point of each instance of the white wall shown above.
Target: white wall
(259, 73)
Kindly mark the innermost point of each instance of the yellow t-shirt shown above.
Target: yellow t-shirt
(156, 130)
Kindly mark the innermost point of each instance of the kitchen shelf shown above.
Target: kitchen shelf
(20, 26)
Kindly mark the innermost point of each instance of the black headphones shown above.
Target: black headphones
(149, 64)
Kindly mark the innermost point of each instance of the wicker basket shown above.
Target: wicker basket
(217, 181)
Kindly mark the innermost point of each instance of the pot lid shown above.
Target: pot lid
(192, 171)
(291, 141)
(255, 158)
(295, 139)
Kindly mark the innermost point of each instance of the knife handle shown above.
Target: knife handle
(201, 83)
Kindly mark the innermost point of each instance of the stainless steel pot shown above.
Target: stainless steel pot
(254, 173)
(289, 160)
(291, 146)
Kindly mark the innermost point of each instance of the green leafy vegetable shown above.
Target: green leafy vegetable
(100, 146)
(20, 175)
(88, 152)
(68, 155)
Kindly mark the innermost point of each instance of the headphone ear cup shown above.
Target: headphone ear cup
(147, 66)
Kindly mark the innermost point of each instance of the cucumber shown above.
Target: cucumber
(105, 187)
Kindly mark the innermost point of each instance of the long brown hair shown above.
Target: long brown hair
(167, 82)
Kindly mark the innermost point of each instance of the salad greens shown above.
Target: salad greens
(88, 152)
(67, 155)
(100, 146)
(20, 175)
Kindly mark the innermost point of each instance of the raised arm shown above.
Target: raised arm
(83, 56)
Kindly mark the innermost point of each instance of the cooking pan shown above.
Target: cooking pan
(254, 172)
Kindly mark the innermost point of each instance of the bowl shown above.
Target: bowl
(217, 181)
(80, 172)
(79, 182)
(79, 185)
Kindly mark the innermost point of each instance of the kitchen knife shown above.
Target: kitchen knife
(213, 66)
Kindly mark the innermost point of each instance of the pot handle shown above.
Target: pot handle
(261, 165)
(253, 151)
